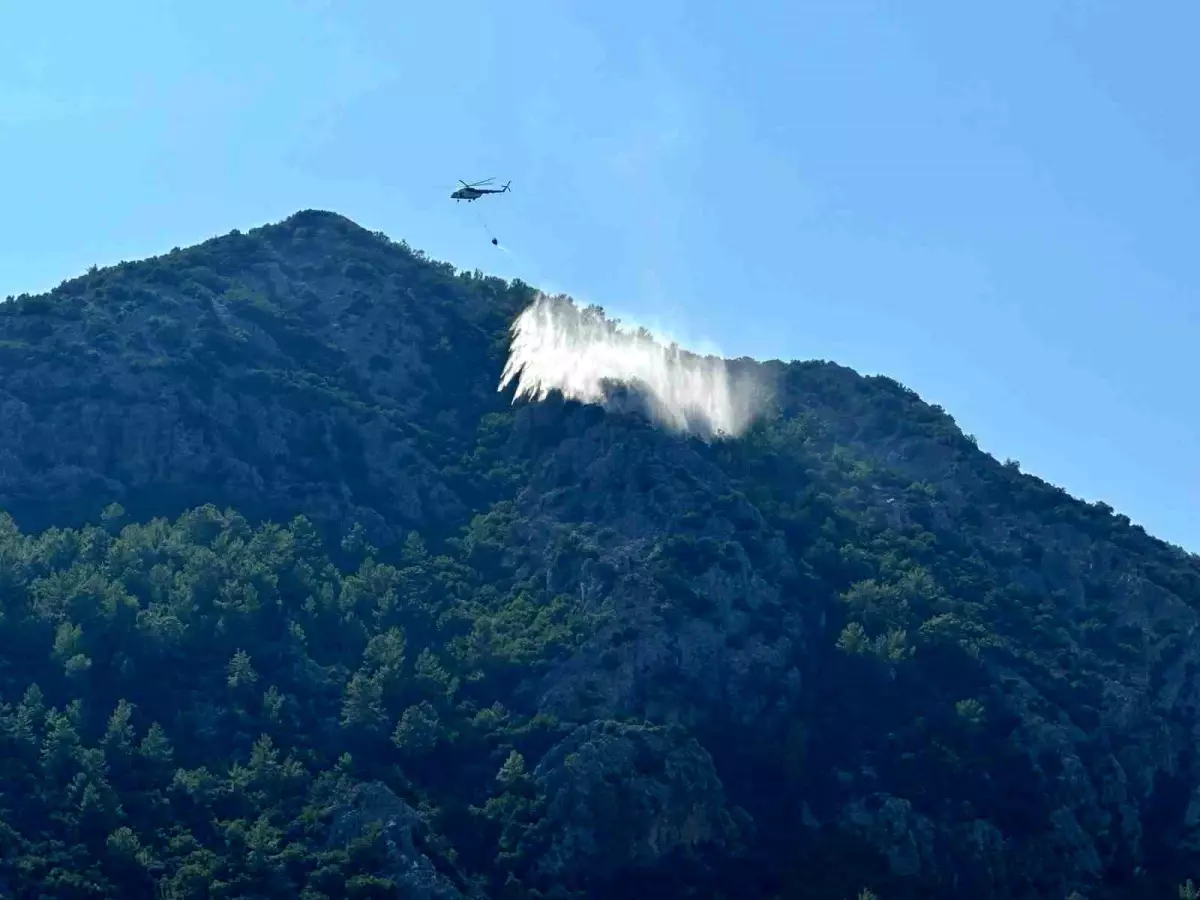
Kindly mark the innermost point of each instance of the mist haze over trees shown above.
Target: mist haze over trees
(296, 603)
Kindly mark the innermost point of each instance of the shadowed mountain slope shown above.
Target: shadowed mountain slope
(296, 603)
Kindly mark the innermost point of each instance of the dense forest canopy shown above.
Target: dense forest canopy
(295, 603)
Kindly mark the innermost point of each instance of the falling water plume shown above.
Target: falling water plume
(556, 346)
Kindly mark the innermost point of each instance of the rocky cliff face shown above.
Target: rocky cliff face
(272, 372)
(846, 648)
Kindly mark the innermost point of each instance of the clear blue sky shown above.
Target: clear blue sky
(996, 204)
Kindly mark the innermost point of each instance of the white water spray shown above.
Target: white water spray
(558, 346)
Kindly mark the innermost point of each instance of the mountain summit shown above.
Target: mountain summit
(306, 593)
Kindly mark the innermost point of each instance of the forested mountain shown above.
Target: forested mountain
(295, 603)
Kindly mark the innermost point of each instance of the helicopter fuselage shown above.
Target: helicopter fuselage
(471, 192)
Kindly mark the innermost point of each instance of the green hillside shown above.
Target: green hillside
(295, 603)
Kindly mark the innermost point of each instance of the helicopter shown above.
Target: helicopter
(471, 192)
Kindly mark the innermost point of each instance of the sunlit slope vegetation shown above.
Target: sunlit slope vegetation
(519, 649)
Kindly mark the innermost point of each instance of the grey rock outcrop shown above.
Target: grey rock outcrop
(373, 805)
